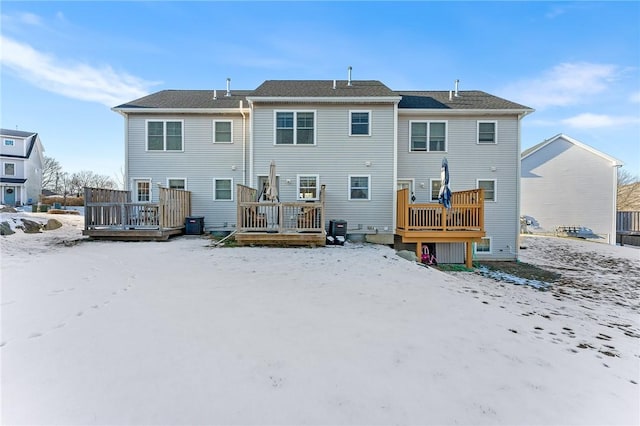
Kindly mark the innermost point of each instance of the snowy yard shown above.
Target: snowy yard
(179, 332)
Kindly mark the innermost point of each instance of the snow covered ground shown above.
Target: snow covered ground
(179, 332)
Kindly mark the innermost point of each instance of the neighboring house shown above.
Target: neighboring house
(21, 158)
(359, 138)
(566, 183)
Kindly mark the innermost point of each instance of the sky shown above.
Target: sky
(64, 65)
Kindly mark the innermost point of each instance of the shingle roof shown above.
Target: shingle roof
(200, 99)
(16, 133)
(468, 99)
(189, 99)
(322, 89)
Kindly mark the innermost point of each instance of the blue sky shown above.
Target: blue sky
(65, 64)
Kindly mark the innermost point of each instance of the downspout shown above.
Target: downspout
(244, 146)
(516, 250)
(613, 235)
(394, 187)
(251, 144)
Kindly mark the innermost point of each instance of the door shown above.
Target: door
(9, 195)
(408, 184)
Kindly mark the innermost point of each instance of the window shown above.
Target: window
(484, 246)
(435, 189)
(9, 169)
(308, 187)
(164, 135)
(359, 123)
(222, 132)
(489, 187)
(487, 132)
(143, 190)
(428, 136)
(222, 189)
(295, 128)
(9, 142)
(177, 183)
(359, 187)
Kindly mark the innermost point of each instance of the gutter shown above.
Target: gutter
(244, 145)
(444, 111)
(325, 99)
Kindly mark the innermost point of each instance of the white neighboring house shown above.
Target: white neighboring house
(21, 159)
(565, 182)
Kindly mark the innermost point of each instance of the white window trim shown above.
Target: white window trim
(214, 189)
(213, 126)
(15, 169)
(164, 135)
(431, 199)
(349, 188)
(495, 134)
(178, 178)
(475, 246)
(428, 122)
(9, 142)
(295, 127)
(351, 111)
(317, 197)
(495, 189)
(134, 185)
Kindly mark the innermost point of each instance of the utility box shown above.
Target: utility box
(337, 232)
(194, 225)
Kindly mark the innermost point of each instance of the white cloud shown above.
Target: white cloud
(73, 80)
(563, 85)
(592, 121)
(29, 19)
(635, 98)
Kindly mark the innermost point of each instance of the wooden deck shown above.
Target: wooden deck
(297, 223)
(432, 223)
(110, 214)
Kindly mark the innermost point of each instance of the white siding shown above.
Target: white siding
(468, 162)
(199, 163)
(566, 185)
(334, 157)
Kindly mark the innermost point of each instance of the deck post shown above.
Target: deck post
(469, 256)
(419, 250)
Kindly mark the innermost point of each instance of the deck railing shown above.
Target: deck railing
(113, 209)
(278, 217)
(628, 221)
(466, 213)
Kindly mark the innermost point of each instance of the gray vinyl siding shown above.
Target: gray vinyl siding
(334, 157)
(199, 163)
(567, 185)
(468, 162)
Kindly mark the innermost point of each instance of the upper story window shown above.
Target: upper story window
(487, 131)
(177, 183)
(164, 135)
(223, 189)
(360, 123)
(308, 187)
(428, 136)
(9, 142)
(9, 169)
(295, 127)
(359, 187)
(222, 131)
(489, 186)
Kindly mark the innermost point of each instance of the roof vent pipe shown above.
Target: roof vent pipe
(450, 95)
(228, 87)
(349, 75)
(457, 81)
(334, 84)
(215, 94)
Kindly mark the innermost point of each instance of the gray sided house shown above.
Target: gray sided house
(360, 139)
(568, 184)
(22, 159)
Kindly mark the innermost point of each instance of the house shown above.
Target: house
(22, 158)
(359, 139)
(569, 186)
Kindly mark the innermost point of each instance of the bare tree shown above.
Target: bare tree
(88, 178)
(628, 197)
(51, 170)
